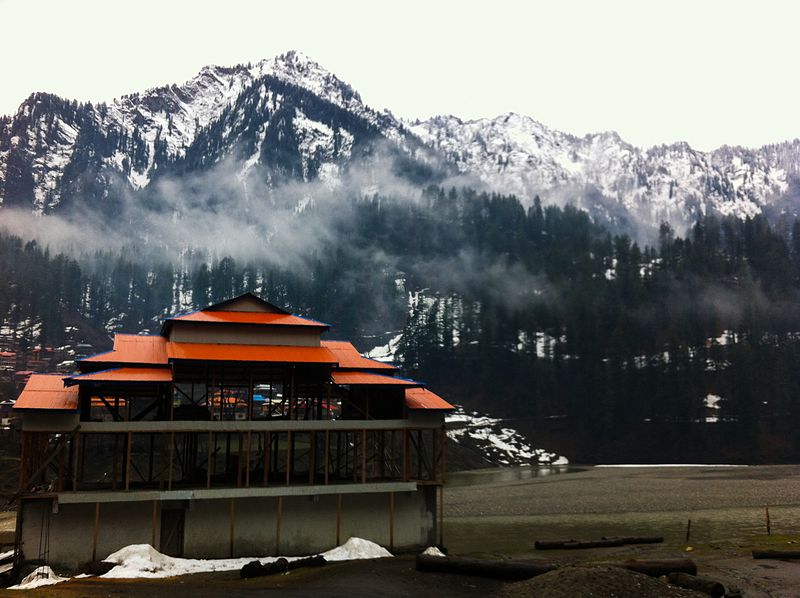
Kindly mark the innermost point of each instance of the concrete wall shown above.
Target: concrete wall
(72, 530)
(238, 334)
(308, 525)
(49, 421)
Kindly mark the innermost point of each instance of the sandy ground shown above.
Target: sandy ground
(726, 507)
(503, 517)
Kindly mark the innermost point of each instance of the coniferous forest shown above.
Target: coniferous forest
(685, 348)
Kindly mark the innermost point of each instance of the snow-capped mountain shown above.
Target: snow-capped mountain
(289, 118)
(287, 113)
(672, 183)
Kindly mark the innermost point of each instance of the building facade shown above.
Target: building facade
(237, 431)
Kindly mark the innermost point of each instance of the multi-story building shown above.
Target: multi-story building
(236, 431)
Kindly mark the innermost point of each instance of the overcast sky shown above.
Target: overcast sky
(707, 72)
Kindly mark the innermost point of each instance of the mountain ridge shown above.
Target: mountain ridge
(288, 118)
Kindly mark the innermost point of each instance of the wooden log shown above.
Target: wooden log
(776, 554)
(578, 544)
(636, 539)
(603, 542)
(699, 584)
(653, 568)
(312, 561)
(256, 569)
(506, 570)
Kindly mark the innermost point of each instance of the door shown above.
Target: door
(172, 521)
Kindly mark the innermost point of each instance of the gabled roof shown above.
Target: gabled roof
(370, 379)
(349, 357)
(266, 305)
(265, 353)
(134, 348)
(244, 309)
(46, 391)
(422, 398)
(124, 375)
(247, 317)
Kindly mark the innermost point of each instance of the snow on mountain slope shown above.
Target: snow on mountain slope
(672, 183)
(291, 115)
(52, 147)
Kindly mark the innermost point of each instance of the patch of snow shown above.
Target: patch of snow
(355, 549)
(500, 444)
(385, 353)
(42, 576)
(433, 551)
(142, 560)
(712, 401)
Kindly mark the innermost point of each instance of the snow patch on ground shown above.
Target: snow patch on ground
(500, 444)
(42, 576)
(433, 551)
(142, 560)
(356, 548)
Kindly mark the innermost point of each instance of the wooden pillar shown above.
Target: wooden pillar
(153, 524)
(355, 456)
(441, 516)
(391, 521)
(289, 457)
(435, 456)
(23, 462)
(444, 454)
(233, 525)
(247, 460)
(239, 460)
(76, 442)
(161, 463)
(405, 456)
(210, 455)
(171, 458)
(250, 394)
(364, 456)
(114, 467)
(266, 458)
(327, 454)
(96, 530)
(150, 458)
(312, 445)
(338, 520)
(278, 521)
(128, 460)
(292, 396)
(61, 466)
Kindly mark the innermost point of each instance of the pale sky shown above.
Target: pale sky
(707, 72)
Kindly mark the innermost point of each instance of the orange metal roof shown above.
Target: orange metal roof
(349, 358)
(264, 353)
(422, 398)
(125, 375)
(46, 391)
(134, 348)
(368, 378)
(247, 317)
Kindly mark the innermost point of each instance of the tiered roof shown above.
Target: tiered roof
(148, 358)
